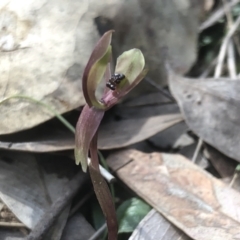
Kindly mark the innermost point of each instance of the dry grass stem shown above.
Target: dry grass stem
(197, 150)
(223, 49)
(216, 16)
(12, 224)
(99, 232)
(231, 61)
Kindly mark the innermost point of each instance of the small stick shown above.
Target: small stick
(80, 203)
(99, 232)
(12, 224)
(226, 42)
(233, 179)
(224, 46)
(236, 174)
(207, 71)
(230, 50)
(197, 150)
(57, 207)
(231, 60)
(216, 16)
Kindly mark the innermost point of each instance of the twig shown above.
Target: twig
(197, 150)
(80, 203)
(231, 60)
(57, 207)
(218, 70)
(230, 50)
(99, 232)
(209, 68)
(237, 43)
(233, 179)
(216, 16)
(230, 23)
(224, 46)
(228, 14)
(12, 224)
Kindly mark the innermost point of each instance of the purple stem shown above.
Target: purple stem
(102, 192)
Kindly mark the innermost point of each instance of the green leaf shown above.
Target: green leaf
(130, 213)
(95, 69)
(131, 63)
(238, 168)
(97, 214)
(95, 76)
(86, 128)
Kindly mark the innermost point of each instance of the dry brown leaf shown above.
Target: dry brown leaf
(193, 200)
(114, 134)
(211, 108)
(119, 134)
(155, 226)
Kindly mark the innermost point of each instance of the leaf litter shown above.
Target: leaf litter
(150, 116)
(211, 109)
(193, 200)
(63, 55)
(155, 226)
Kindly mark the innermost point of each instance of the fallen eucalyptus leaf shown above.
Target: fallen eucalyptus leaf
(77, 226)
(119, 134)
(166, 139)
(112, 134)
(155, 226)
(28, 186)
(39, 59)
(145, 111)
(211, 108)
(147, 99)
(193, 200)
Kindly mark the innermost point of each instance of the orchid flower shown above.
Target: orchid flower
(129, 72)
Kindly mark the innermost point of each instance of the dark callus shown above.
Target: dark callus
(114, 80)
